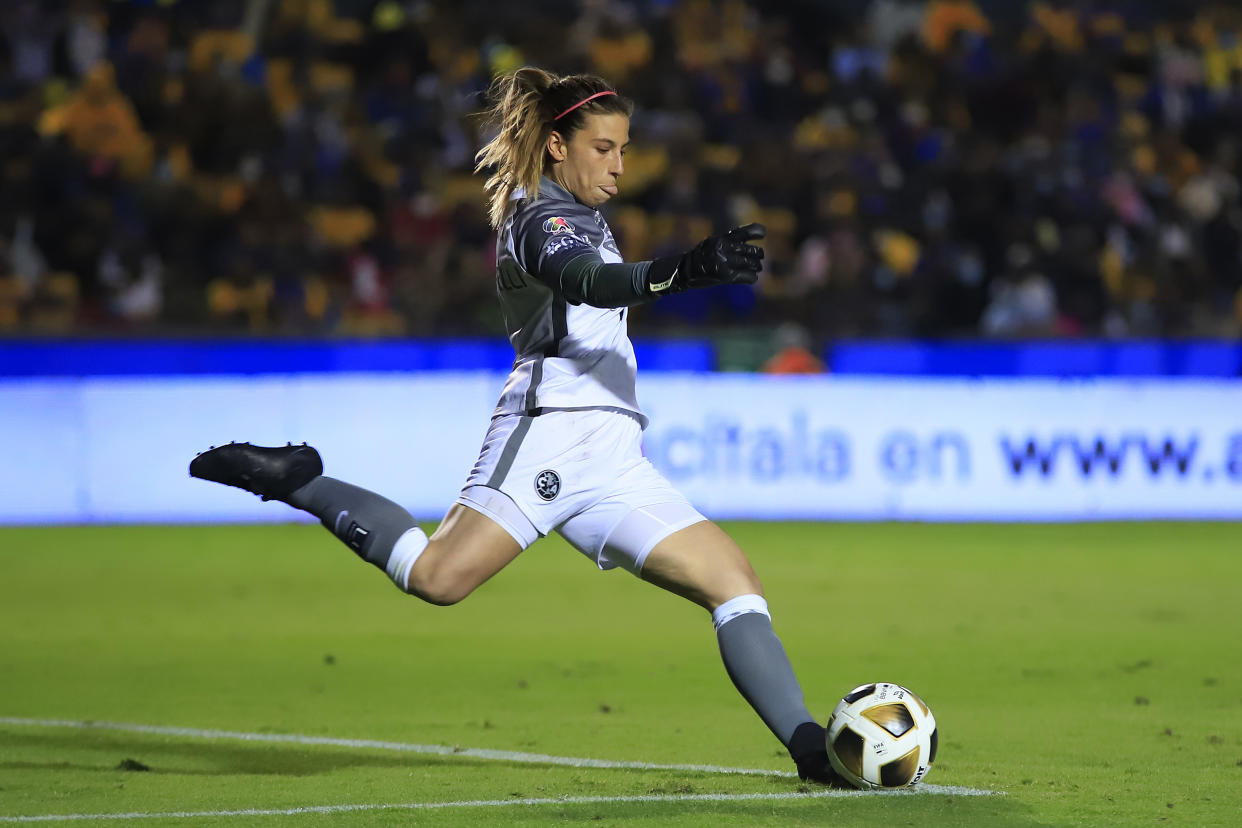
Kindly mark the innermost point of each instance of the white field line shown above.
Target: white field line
(406, 747)
(440, 750)
(493, 803)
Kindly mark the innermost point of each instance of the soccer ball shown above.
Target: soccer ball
(882, 736)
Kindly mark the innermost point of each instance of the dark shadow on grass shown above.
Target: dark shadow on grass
(102, 751)
(225, 758)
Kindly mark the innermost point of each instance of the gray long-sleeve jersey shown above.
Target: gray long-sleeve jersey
(569, 355)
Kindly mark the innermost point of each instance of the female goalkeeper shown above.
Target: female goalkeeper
(563, 452)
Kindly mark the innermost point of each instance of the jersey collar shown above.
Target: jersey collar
(552, 191)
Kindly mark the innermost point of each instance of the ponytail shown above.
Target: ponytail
(527, 105)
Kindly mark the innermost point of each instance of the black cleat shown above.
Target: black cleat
(819, 770)
(809, 750)
(271, 473)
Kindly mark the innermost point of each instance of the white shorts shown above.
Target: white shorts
(581, 474)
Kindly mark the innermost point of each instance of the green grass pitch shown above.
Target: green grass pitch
(1087, 674)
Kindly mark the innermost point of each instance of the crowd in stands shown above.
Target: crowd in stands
(942, 169)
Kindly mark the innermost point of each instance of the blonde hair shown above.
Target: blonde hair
(525, 109)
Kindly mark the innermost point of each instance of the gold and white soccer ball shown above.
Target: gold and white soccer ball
(882, 736)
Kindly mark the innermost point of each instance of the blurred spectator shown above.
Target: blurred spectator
(793, 352)
(947, 168)
(100, 123)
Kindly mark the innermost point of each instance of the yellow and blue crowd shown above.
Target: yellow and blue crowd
(948, 168)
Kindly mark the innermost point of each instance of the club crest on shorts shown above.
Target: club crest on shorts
(547, 484)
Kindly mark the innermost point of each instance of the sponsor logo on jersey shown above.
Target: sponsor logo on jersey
(547, 484)
(558, 243)
(610, 243)
(557, 225)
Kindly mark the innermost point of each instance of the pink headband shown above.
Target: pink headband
(581, 102)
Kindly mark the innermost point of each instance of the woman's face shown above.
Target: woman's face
(590, 164)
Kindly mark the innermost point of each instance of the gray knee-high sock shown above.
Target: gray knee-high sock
(367, 523)
(755, 659)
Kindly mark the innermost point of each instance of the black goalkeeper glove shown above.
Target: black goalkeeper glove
(717, 260)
